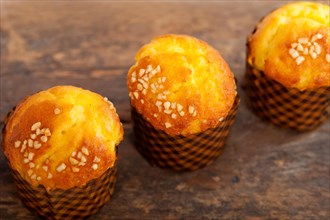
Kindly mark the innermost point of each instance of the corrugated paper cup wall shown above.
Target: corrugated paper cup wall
(75, 203)
(286, 107)
(181, 153)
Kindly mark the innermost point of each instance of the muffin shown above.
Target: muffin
(184, 100)
(61, 145)
(288, 65)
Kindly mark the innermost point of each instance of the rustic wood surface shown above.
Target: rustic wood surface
(264, 172)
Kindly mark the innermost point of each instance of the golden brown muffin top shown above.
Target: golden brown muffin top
(62, 137)
(291, 45)
(181, 85)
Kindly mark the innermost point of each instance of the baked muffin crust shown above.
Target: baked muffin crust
(291, 45)
(62, 137)
(181, 85)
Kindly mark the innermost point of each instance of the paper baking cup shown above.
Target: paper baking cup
(75, 203)
(286, 107)
(181, 153)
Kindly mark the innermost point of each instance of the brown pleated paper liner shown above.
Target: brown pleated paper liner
(181, 153)
(286, 107)
(75, 203)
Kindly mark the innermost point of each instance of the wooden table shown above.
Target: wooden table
(264, 172)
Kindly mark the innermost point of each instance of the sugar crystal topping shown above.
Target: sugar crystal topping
(140, 79)
(38, 137)
(305, 47)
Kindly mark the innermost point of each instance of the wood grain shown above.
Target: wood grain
(264, 172)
